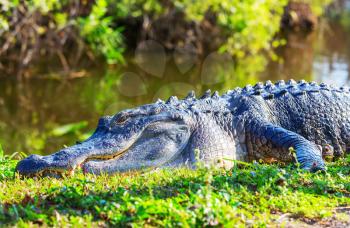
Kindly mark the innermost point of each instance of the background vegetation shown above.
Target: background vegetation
(69, 30)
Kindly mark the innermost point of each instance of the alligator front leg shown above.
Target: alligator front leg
(275, 141)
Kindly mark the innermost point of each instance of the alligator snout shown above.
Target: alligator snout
(52, 165)
(31, 165)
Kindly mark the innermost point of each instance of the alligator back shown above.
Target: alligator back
(318, 113)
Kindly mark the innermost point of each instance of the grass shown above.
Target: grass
(249, 194)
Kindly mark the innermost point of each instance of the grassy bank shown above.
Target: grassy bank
(248, 194)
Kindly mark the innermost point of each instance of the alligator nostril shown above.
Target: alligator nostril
(62, 153)
(31, 165)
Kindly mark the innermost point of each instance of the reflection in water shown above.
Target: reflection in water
(130, 84)
(30, 109)
(150, 56)
(331, 64)
(215, 68)
(185, 58)
(295, 58)
(331, 70)
(179, 89)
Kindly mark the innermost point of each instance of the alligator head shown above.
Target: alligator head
(148, 136)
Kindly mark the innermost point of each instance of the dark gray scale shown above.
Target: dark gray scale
(332, 121)
(269, 118)
(345, 132)
(341, 111)
(258, 86)
(304, 115)
(270, 88)
(317, 116)
(248, 89)
(261, 148)
(304, 120)
(284, 115)
(280, 84)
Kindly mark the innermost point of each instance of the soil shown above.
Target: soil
(340, 218)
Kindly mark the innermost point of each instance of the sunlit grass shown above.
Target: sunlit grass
(255, 194)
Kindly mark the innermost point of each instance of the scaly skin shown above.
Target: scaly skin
(253, 123)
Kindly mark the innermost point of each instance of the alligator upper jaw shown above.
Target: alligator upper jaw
(115, 156)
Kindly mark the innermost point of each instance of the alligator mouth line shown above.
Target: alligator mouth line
(106, 157)
(69, 171)
(63, 172)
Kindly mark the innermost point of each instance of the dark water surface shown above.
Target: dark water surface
(34, 113)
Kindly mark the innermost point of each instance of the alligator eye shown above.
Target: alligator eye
(156, 111)
(122, 119)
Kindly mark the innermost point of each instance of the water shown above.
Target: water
(31, 111)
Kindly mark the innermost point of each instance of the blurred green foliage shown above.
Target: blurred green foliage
(69, 128)
(248, 26)
(317, 6)
(35, 140)
(90, 19)
(345, 19)
(136, 8)
(1, 151)
(7, 163)
(97, 30)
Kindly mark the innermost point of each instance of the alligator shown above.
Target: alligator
(260, 122)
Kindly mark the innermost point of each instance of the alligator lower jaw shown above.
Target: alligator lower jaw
(50, 173)
(55, 173)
